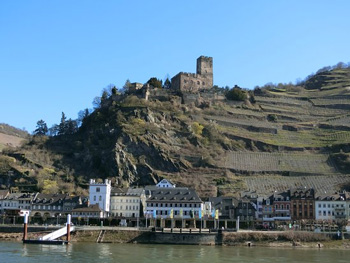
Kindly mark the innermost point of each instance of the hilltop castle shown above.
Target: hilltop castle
(188, 87)
(194, 82)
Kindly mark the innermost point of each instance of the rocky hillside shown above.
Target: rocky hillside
(280, 137)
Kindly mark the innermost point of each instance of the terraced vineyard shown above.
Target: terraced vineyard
(269, 183)
(330, 102)
(282, 101)
(307, 163)
(227, 121)
(342, 121)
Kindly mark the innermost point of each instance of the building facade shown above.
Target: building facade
(282, 204)
(225, 205)
(47, 205)
(12, 203)
(302, 203)
(268, 213)
(129, 203)
(331, 208)
(178, 202)
(245, 210)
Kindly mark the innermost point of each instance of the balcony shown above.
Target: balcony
(282, 218)
(282, 210)
(340, 216)
(268, 219)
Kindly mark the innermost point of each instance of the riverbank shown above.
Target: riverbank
(298, 239)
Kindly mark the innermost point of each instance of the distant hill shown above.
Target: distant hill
(279, 137)
(10, 130)
(11, 136)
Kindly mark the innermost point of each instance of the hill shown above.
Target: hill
(279, 137)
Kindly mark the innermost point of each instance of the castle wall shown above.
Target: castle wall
(190, 82)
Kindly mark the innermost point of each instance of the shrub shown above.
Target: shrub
(236, 93)
(197, 128)
(272, 117)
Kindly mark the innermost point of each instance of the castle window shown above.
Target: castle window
(198, 82)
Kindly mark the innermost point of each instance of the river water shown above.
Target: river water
(130, 253)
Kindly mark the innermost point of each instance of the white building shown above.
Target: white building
(331, 207)
(100, 193)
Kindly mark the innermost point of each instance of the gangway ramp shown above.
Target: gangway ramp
(56, 234)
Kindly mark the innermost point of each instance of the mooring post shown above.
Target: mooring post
(68, 227)
(25, 227)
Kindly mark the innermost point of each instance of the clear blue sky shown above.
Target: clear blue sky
(57, 55)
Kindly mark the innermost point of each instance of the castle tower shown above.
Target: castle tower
(205, 66)
(100, 193)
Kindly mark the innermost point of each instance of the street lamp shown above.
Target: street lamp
(58, 216)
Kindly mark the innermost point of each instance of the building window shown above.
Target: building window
(98, 189)
(100, 198)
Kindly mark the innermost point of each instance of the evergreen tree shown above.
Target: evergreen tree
(71, 127)
(114, 90)
(167, 84)
(82, 115)
(62, 126)
(41, 128)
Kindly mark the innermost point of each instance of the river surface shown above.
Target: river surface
(90, 252)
